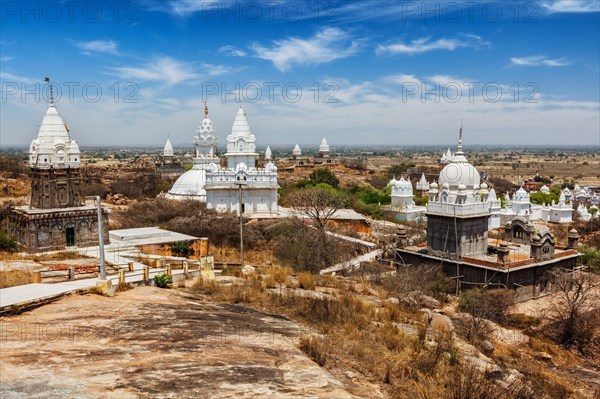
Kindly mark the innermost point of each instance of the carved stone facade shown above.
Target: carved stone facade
(55, 218)
(55, 188)
(519, 230)
(53, 229)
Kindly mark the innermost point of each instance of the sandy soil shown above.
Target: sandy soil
(149, 342)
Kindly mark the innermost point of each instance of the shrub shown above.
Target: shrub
(487, 304)
(7, 242)
(163, 280)
(523, 322)
(182, 248)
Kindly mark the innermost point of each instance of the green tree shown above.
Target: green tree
(324, 175)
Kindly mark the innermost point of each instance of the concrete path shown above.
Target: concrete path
(367, 244)
(115, 254)
(24, 294)
(352, 263)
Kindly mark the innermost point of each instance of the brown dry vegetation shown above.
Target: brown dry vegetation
(356, 337)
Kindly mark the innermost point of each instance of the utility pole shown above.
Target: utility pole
(241, 210)
(102, 275)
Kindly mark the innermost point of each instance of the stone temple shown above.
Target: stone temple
(222, 187)
(55, 218)
(459, 213)
(191, 184)
(241, 185)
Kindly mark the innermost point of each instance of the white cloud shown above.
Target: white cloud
(571, 6)
(539, 60)
(98, 46)
(325, 46)
(170, 71)
(186, 7)
(215, 70)
(424, 45)
(7, 76)
(6, 58)
(232, 51)
(160, 69)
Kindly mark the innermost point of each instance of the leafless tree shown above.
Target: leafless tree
(574, 317)
(319, 204)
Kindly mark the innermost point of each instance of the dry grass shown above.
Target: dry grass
(11, 278)
(306, 281)
(351, 335)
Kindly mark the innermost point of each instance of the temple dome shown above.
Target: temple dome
(545, 189)
(53, 147)
(190, 185)
(457, 173)
(521, 195)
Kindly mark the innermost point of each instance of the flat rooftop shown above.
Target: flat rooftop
(147, 236)
(519, 256)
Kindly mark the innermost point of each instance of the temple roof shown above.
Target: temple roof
(240, 127)
(168, 149)
(53, 146)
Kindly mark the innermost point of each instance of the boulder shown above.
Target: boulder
(426, 315)
(545, 357)
(478, 360)
(416, 299)
(248, 270)
(486, 347)
(429, 302)
(394, 301)
(440, 321)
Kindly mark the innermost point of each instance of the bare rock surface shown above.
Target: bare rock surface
(151, 342)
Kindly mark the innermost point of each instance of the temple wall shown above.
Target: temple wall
(472, 276)
(49, 231)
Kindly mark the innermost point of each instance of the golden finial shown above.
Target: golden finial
(205, 110)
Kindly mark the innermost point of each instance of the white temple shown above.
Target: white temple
(562, 212)
(423, 184)
(190, 185)
(520, 205)
(458, 209)
(268, 154)
(256, 187)
(53, 147)
(324, 148)
(402, 200)
(446, 157)
(168, 148)
(297, 151)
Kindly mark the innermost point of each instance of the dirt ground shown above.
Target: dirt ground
(149, 341)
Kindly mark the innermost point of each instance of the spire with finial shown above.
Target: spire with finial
(205, 110)
(51, 99)
(459, 149)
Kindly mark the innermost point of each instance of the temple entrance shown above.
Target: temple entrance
(70, 232)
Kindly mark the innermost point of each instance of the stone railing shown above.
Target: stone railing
(458, 209)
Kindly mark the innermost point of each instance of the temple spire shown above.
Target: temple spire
(459, 149)
(205, 109)
(51, 100)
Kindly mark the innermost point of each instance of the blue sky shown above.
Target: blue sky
(357, 72)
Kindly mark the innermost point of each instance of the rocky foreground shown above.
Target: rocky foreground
(150, 342)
